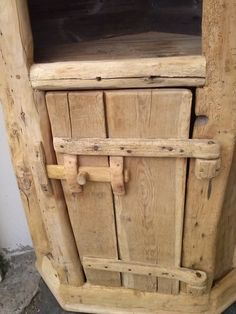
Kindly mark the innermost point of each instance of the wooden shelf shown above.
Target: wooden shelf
(142, 45)
(127, 73)
(84, 31)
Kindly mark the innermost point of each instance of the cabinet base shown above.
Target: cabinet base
(104, 300)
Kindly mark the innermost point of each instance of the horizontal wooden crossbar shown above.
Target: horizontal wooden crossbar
(95, 174)
(126, 73)
(175, 148)
(191, 277)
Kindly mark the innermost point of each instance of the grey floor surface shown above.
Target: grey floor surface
(23, 292)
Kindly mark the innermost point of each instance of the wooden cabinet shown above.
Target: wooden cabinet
(145, 223)
(121, 124)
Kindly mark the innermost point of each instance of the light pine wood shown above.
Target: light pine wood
(91, 211)
(223, 293)
(114, 83)
(210, 219)
(168, 71)
(209, 233)
(71, 172)
(82, 178)
(193, 278)
(145, 210)
(117, 175)
(96, 174)
(168, 148)
(60, 218)
(104, 300)
(12, 110)
(40, 168)
(207, 169)
(48, 214)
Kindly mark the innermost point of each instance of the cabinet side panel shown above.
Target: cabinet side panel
(205, 211)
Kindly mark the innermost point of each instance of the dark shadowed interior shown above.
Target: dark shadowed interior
(105, 29)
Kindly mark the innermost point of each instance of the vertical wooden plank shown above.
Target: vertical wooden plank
(150, 214)
(16, 128)
(65, 255)
(210, 215)
(45, 212)
(91, 212)
(93, 220)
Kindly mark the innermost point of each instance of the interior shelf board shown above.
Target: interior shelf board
(143, 45)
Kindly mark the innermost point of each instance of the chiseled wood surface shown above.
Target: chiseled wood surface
(15, 125)
(97, 174)
(194, 278)
(209, 236)
(137, 147)
(205, 212)
(46, 216)
(166, 71)
(103, 300)
(154, 196)
(91, 212)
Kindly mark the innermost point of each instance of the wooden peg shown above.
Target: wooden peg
(71, 171)
(207, 169)
(117, 175)
(82, 178)
(126, 175)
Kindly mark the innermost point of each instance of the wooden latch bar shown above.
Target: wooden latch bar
(71, 172)
(196, 280)
(79, 176)
(117, 177)
(206, 152)
(172, 148)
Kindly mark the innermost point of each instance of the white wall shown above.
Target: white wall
(14, 234)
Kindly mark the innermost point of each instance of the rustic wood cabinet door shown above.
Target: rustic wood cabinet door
(145, 224)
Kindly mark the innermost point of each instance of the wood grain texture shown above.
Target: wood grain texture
(191, 277)
(152, 201)
(117, 175)
(44, 216)
(71, 172)
(57, 220)
(97, 174)
(84, 116)
(97, 83)
(136, 147)
(169, 71)
(209, 223)
(15, 126)
(103, 300)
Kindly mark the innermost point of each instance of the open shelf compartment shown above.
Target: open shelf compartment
(103, 30)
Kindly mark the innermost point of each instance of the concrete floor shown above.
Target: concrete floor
(19, 285)
(23, 292)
